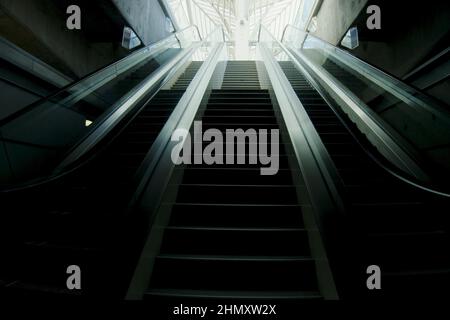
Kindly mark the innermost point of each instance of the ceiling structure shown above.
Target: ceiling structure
(240, 19)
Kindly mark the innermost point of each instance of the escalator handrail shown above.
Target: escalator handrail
(388, 82)
(394, 146)
(63, 170)
(186, 108)
(97, 73)
(316, 170)
(120, 110)
(385, 165)
(306, 142)
(86, 144)
(188, 27)
(283, 35)
(156, 170)
(417, 177)
(312, 147)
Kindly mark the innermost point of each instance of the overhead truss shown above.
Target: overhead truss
(208, 14)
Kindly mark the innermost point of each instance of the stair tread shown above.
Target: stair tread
(270, 295)
(238, 258)
(236, 229)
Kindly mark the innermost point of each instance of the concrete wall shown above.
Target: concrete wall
(335, 17)
(17, 98)
(408, 36)
(410, 33)
(21, 88)
(39, 27)
(146, 17)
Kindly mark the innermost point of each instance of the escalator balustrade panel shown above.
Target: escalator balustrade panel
(80, 219)
(396, 226)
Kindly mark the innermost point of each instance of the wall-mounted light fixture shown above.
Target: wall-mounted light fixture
(351, 39)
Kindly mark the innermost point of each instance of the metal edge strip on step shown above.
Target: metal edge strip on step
(159, 165)
(236, 295)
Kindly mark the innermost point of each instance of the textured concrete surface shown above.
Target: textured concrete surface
(39, 27)
(146, 17)
(409, 35)
(335, 17)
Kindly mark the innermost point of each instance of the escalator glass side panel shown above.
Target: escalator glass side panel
(423, 123)
(80, 219)
(386, 215)
(36, 140)
(388, 223)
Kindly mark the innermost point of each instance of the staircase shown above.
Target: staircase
(241, 75)
(394, 225)
(185, 79)
(80, 219)
(233, 233)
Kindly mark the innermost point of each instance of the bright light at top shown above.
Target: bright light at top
(240, 19)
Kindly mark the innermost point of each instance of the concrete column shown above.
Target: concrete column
(146, 17)
(335, 17)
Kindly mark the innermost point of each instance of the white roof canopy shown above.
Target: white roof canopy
(240, 19)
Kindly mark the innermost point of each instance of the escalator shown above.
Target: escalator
(395, 115)
(115, 90)
(93, 105)
(412, 124)
(394, 225)
(38, 138)
(220, 232)
(81, 218)
(233, 234)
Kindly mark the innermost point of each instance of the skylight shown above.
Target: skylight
(240, 19)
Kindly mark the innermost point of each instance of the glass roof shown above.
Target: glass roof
(240, 19)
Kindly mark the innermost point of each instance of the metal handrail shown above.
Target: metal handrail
(401, 153)
(394, 146)
(298, 111)
(120, 112)
(184, 29)
(185, 109)
(157, 167)
(399, 174)
(388, 82)
(87, 143)
(96, 73)
(316, 166)
(290, 26)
